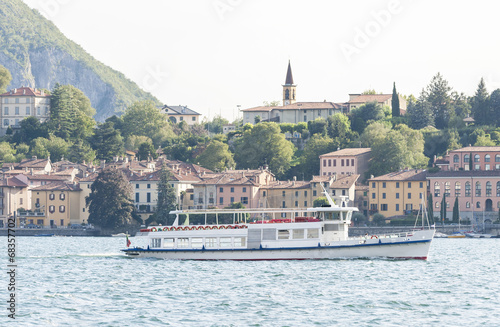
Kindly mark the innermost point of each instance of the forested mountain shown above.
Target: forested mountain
(37, 54)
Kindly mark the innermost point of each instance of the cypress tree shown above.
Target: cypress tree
(456, 211)
(430, 210)
(395, 102)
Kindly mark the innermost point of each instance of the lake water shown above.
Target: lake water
(72, 281)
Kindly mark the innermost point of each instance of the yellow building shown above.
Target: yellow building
(397, 194)
(59, 201)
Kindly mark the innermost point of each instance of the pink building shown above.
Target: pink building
(478, 193)
(483, 158)
(345, 162)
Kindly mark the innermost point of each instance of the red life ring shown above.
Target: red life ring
(165, 229)
(153, 229)
(374, 236)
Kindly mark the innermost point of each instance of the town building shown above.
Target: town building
(345, 162)
(483, 158)
(292, 111)
(397, 194)
(477, 191)
(20, 103)
(357, 100)
(59, 201)
(14, 195)
(177, 114)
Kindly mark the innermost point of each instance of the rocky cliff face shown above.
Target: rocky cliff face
(37, 54)
(47, 66)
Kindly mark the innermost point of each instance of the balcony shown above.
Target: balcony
(30, 213)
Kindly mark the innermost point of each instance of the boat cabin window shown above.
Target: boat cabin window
(225, 242)
(283, 234)
(197, 242)
(211, 242)
(298, 234)
(239, 242)
(182, 242)
(269, 234)
(155, 242)
(312, 233)
(168, 243)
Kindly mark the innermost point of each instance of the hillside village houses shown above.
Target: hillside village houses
(294, 112)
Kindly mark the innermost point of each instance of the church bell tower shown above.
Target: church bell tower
(289, 89)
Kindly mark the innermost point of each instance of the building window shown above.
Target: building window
(62, 208)
(305, 204)
(456, 158)
(334, 162)
(193, 118)
(458, 188)
(373, 185)
(221, 200)
(347, 162)
(283, 205)
(478, 205)
(447, 188)
(421, 195)
(397, 207)
(136, 197)
(283, 193)
(487, 158)
(244, 190)
(383, 195)
(221, 190)
(296, 193)
(244, 200)
(305, 193)
(487, 167)
(136, 185)
(373, 195)
(52, 209)
(409, 184)
(62, 196)
(488, 188)
(264, 193)
(397, 184)
(6, 122)
(397, 195)
(383, 185)
(466, 158)
(28, 112)
(329, 162)
(498, 188)
(52, 196)
(296, 204)
(16, 111)
(148, 197)
(315, 192)
(409, 195)
(232, 200)
(17, 100)
(232, 189)
(437, 189)
(467, 189)
(497, 158)
(181, 119)
(477, 158)
(421, 185)
(436, 205)
(467, 204)
(342, 162)
(478, 189)
(149, 186)
(6, 110)
(383, 207)
(352, 162)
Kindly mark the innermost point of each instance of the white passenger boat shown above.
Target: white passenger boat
(277, 234)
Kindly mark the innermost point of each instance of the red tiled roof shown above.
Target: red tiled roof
(405, 175)
(348, 152)
(478, 149)
(24, 91)
(58, 186)
(364, 98)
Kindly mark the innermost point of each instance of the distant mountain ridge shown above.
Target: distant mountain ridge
(37, 54)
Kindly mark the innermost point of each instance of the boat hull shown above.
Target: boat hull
(416, 247)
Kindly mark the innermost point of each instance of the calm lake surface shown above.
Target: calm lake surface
(85, 281)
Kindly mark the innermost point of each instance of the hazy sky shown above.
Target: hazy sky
(213, 55)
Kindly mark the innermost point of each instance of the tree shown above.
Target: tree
(374, 133)
(70, 113)
(5, 78)
(107, 142)
(110, 201)
(55, 147)
(379, 219)
(30, 129)
(216, 125)
(430, 209)
(495, 107)
(317, 145)
(216, 157)
(144, 119)
(438, 97)
(320, 202)
(81, 151)
(264, 144)
(146, 150)
(363, 115)
(481, 105)
(395, 102)
(443, 209)
(166, 199)
(275, 103)
(7, 153)
(257, 119)
(339, 127)
(419, 113)
(456, 211)
(317, 126)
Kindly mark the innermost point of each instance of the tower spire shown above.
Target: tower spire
(289, 77)
(289, 88)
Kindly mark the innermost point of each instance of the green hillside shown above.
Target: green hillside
(38, 54)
